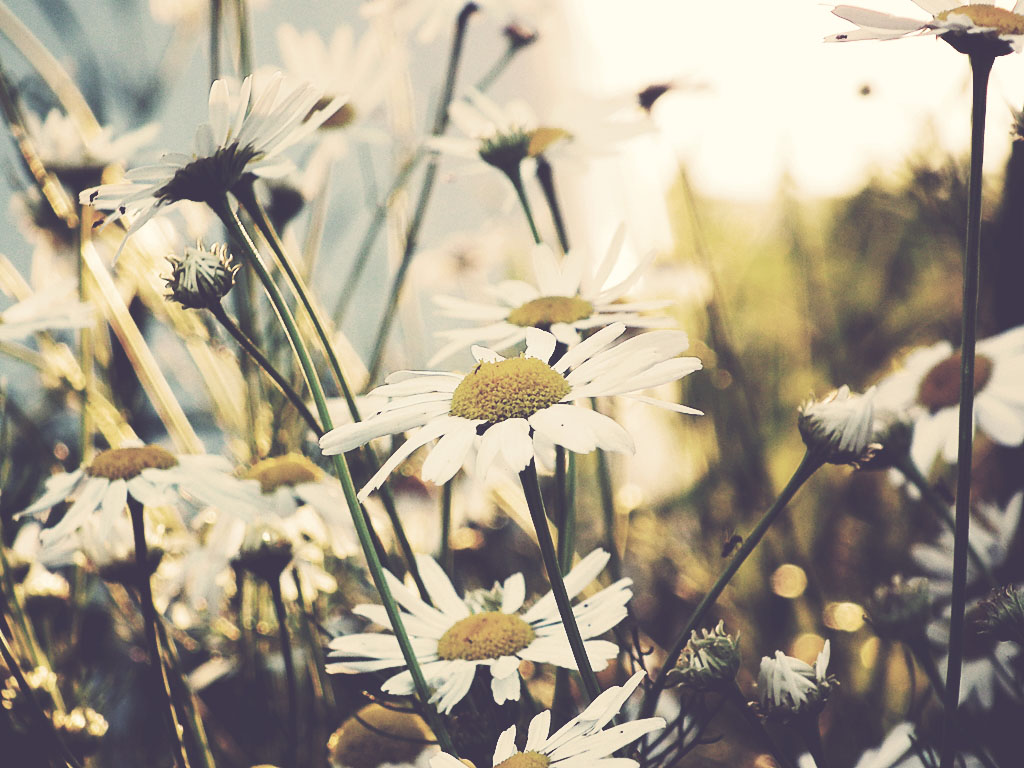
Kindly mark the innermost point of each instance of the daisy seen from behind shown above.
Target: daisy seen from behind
(486, 628)
(570, 296)
(581, 743)
(954, 22)
(518, 407)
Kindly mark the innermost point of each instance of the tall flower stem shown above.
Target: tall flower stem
(215, 22)
(150, 620)
(515, 175)
(446, 530)
(734, 694)
(807, 725)
(810, 464)
(546, 178)
(289, 672)
(429, 177)
(253, 351)
(981, 66)
(531, 487)
(359, 518)
(566, 494)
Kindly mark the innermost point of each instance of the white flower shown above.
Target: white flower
(248, 129)
(840, 427)
(928, 388)
(950, 19)
(791, 685)
(581, 743)
(429, 18)
(60, 142)
(570, 296)
(487, 628)
(518, 407)
(148, 474)
(902, 748)
(54, 307)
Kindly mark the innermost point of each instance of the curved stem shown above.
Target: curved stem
(531, 487)
(253, 351)
(150, 620)
(810, 463)
(359, 518)
(289, 672)
(981, 66)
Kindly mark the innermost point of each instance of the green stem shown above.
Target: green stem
(429, 177)
(807, 724)
(150, 620)
(810, 463)
(445, 558)
(515, 175)
(359, 518)
(604, 484)
(734, 693)
(253, 351)
(191, 711)
(245, 57)
(910, 471)
(546, 177)
(567, 497)
(323, 689)
(981, 66)
(531, 487)
(289, 672)
(215, 21)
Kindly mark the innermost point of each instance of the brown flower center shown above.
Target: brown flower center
(510, 389)
(1003, 21)
(548, 310)
(126, 463)
(525, 760)
(289, 470)
(392, 737)
(940, 388)
(488, 635)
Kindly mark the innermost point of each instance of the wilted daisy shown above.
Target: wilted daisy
(569, 296)
(951, 20)
(928, 388)
(486, 628)
(790, 686)
(840, 427)
(580, 743)
(513, 407)
(248, 129)
(53, 308)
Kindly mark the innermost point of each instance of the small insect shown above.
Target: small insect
(730, 541)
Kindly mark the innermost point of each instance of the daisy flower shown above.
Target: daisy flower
(62, 147)
(928, 388)
(55, 307)
(149, 474)
(953, 21)
(581, 743)
(840, 427)
(792, 686)
(248, 129)
(518, 406)
(486, 628)
(569, 297)
(902, 748)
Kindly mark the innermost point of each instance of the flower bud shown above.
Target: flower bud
(710, 660)
(790, 687)
(201, 278)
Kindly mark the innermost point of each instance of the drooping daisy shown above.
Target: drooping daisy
(951, 20)
(514, 407)
(55, 307)
(789, 686)
(248, 130)
(581, 743)
(486, 628)
(928, 388)
(570, 296)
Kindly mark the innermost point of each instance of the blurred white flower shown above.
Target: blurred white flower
(514, 408)
(61, 145)
(486, 628)
(791, 686)
(54, 307)
(429, 18)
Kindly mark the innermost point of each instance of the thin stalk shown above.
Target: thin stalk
(734, 694)
(245, 57)
(808, 726)
(429, 177)
(192, 710)
(546, 178)
(910, 471)
(567, 534)
(604, 484)
(289, 672)
(215, 20)
(359, 518)
(85, 356)
(11, 661)
(253, 351)
(810, 463)
(531, 487)
(317, 673)
(445, 558)
(388, 500)
(981, 66)
(150, 621)
(516, 177)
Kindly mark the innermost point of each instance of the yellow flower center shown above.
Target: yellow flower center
(547, 310)
(392, 737)
(510, 389)
(525, 760)
(289, 470)
(544, 137)
(940, 388)
(1003, 21)
(126, 463)
(488, 635)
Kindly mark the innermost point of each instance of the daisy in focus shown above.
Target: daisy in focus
(580, 743)
(950, 20)
(789, 686)
(569, 297)
(249, 128)
(928, 388)
(486, 628)
(518, 407)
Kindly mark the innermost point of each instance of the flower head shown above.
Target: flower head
(376, 736)
(580, 743)
(788, 686)
(483, 629)
(1002, 614)
(514, 407)
(710, 660)
(201, 278)
(900, 609)
(840, 427)
(968, 27)
(54, 307)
